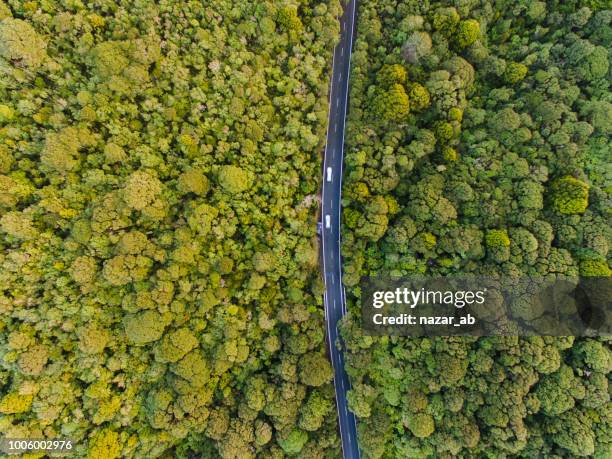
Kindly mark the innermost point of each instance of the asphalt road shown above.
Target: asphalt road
(335, 304)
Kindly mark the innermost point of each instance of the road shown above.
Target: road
(334, 299)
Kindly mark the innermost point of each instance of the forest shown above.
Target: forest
(159, 170)
(160, 164)
(478, 142)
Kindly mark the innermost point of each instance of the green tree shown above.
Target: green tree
(569, 195)
(233, 179)
(392, 104)
(515, 72)
(193, 181)
(390, 75)
(20, 43)
(141, 190)
(105, 444)
(419, 97)
(417, 46)
(294, 442)
(421, 425)
(467, 33)
(144, 327)
(315, 370)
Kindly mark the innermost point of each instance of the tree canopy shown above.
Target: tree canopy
(159, 168)
(494, 159)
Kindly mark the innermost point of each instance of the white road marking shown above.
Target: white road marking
(339, 77)
(335, 127)
(341, 51)
(337, 102)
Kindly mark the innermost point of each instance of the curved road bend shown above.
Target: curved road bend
(334, 299)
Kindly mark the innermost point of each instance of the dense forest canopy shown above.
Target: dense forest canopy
(478, 142)
(159, 166)
(160, 294)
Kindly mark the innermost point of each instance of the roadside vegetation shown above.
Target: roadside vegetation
(159, 285)
(479, 142)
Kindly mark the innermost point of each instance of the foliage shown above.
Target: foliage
(20, 43)
(390, 75)
(497, 238)
(417, 46)
(233, 179)
(419, 97)
(569, 195)
(502, 169)
(467, 32)
(391, 104)
(105, 445)
(159, 165)
(421, 425)
(515, 72)
(294, 443)
(16, 403)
